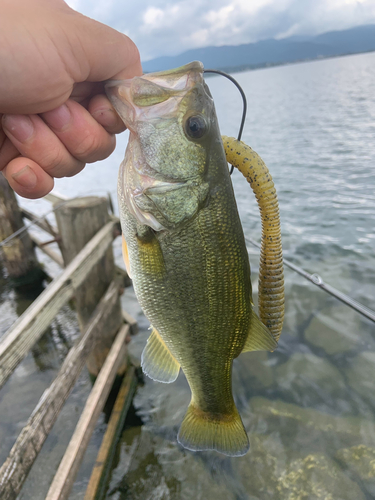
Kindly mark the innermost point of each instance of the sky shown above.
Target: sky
(170, 27)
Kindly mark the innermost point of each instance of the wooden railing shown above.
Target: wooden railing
(105, 329)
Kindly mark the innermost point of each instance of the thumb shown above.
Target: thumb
(104, 53)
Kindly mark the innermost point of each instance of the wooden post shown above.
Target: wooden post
(78, 220)
(19, 255)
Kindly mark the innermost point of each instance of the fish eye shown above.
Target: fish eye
(196, 126)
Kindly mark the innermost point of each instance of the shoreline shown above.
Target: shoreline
(253, 67)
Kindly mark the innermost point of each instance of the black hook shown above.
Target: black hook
(243, 98)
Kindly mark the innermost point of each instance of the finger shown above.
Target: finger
(84, 90)
(81, 134)
(35, 140)
(27, 178)
(2, 134)
(103, 112)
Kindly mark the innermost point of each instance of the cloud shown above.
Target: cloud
(153, 17)
(166, 27)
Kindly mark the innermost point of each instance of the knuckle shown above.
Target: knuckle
(79, 166)
(87, 146)
(94, 147)
(58, 163)
(54, 161)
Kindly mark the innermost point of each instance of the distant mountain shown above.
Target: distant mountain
(272, 52)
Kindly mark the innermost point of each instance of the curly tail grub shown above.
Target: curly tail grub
(271, 276)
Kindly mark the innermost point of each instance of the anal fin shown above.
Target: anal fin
(157, 362)
(259, 337)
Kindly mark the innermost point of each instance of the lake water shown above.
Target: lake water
(309, 407)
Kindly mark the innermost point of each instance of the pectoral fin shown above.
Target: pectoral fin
(259, 337)
(157, 362)
(150, 254)
(125, 255)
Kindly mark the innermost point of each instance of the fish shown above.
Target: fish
(184, 248)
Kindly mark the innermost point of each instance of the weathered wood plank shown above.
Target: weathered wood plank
(31, 325)
(55, 197)
(69, 465)
(48, 251)
(98, 480)
(30, 441)
(43, 223)
(128, 318)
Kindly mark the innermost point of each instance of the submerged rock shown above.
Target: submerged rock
(292, 451)
(271, 471)
(305, 428)
(151, 468)
(303, 301)
(260, 469)
(290, 458)
(310, 380)
(316, 477)
(361, 375)
(252, 372)
(360, 460)
(336, 329)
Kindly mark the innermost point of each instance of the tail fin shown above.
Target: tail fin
(200, 431)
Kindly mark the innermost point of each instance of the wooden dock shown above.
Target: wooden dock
(84, 233)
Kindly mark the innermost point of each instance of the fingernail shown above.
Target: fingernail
(106, 117)
(25, 177)
(58, 118)
(19, 126)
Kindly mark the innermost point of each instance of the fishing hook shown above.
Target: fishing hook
(222, 73)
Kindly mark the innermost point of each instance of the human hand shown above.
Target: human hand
(54, 114)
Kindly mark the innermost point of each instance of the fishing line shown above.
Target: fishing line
(318, 281)
(222, 73)
(24, 228)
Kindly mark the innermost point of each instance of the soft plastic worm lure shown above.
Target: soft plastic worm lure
(271, 275)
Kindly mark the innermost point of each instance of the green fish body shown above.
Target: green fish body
(185, 249)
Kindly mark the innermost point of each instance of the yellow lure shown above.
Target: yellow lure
(271, 274)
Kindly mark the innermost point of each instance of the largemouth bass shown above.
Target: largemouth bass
(185, 250)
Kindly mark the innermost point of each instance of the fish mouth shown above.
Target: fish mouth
(174, 79)
(154, 94)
